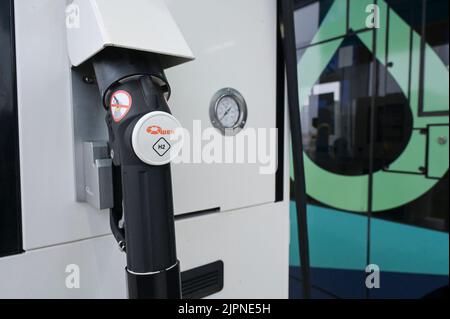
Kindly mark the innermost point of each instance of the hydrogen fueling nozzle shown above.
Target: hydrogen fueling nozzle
(143, 141)
(128, 60)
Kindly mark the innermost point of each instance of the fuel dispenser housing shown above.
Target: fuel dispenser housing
(226, 216)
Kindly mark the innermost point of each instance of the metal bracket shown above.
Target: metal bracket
(98, 175)
(93, 167)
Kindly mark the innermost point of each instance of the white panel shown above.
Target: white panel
(144, 25)
(253, 244)
(50, 213)
(42, 273)
(235, 46)
(241, 54)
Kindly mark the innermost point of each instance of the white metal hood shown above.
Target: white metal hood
(144, 25)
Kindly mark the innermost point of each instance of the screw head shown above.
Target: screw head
(442, 140)
(88, 79)
(122, 246)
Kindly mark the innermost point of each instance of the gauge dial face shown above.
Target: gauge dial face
(228, 112)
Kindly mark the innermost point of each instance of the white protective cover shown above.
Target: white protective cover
(144, 25)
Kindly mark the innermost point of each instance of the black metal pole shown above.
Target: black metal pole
(290, 55)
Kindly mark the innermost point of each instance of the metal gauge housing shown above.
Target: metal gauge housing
(228, 111)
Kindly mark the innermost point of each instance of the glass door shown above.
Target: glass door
(409, 226)
(375, 130)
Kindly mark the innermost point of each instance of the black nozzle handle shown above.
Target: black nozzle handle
(149, 218)
(129, 92)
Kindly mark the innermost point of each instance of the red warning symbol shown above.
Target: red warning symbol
(120, 105)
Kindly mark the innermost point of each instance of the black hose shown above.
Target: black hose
(116, 213)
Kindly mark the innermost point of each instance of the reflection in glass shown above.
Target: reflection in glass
(336, 120)
(437, 26)
(309, 15)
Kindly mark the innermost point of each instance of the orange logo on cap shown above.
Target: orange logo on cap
(157, 130)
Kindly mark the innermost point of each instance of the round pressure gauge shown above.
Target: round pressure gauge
(228, 111)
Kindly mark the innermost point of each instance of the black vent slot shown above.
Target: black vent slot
(202, 281)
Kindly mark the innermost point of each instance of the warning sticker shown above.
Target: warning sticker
(121, 102)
